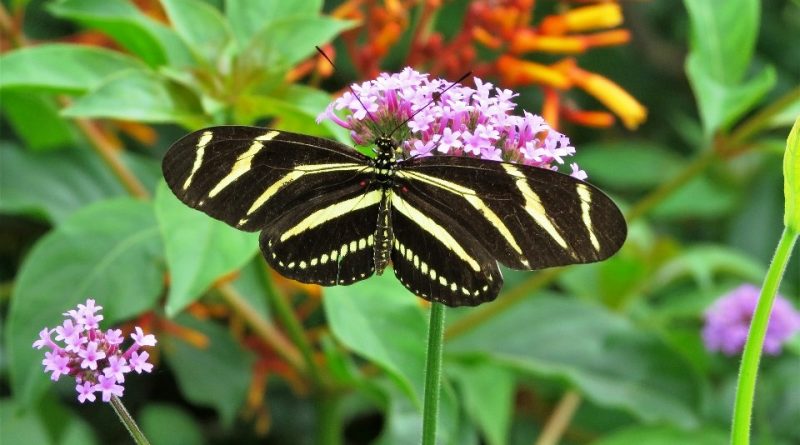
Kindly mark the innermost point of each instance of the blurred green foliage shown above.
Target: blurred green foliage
(701, 180)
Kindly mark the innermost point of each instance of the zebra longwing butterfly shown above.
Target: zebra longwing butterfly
(330, 215)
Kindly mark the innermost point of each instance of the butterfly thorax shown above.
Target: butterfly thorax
(384, 165)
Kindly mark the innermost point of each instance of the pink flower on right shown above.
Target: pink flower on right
(728, 321)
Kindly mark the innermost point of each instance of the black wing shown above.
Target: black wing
(248, 176)
(525, 217)
(310, 197)
(436, 257)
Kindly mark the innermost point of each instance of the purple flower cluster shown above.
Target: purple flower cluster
(728, 322)
(456, 121)
(95, 358)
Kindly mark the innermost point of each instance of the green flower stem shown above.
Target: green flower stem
(433, 374)
(127, 420)
(329, 425)
(748, 370)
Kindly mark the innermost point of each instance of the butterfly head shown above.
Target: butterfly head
(386, 147)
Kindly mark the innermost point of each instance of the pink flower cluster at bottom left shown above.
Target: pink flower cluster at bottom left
(95, 358)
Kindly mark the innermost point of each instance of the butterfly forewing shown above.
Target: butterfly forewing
(249, 176)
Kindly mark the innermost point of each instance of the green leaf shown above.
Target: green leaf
(216, 375)
(140, 96)
(722, 104)
(62, 68)
(36, 120)
(698, 198)
(109, 251)
(285, 42)
(487, 391)
(248, 18)
(647, 164)
(29, 426)
(791, 178)
(664, 435)
(201, 26)
(54, 184)
(198, 248)
(154, 42)
(787, 114)
(724, 34)
(612, 362)
(702, 262)
(298, 104)
(169, 425)
(383, 322)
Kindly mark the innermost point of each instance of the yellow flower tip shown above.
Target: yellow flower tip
(522, 72)
(486, 38)
(629, 110)
(528, 41)
(608, 38)
(394, 7)
(600, 16)
(594, 119)
(506, 18)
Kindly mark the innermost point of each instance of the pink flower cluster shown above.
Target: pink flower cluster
(95, 358)
(728, 322)
(451, 119)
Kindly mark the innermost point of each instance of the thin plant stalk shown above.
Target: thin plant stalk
(433, 374)
(748, 370)
(127, 420)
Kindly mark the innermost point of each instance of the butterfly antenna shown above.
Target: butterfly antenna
(349, 87)
(436, 97)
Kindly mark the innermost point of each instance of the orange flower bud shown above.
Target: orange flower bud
(608, 38)
(596, 119)
(629, 110)
(551, 106)
(521, 72)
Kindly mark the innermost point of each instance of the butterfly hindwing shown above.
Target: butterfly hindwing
(326, 240)
(435, 257)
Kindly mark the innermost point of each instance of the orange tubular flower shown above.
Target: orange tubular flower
(608, 38)
(629, 110)
(526, 40)
(587, 18)
(486, 38)
(596, 119)
(520, 72)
